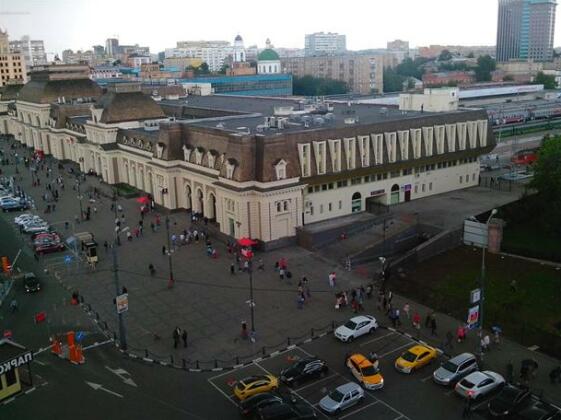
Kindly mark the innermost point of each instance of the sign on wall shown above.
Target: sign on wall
(16, 362)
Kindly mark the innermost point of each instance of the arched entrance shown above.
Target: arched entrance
(356, 204)
(395, 194)
(188, 198)
(211, 207)
(150, 186)
(199, 202)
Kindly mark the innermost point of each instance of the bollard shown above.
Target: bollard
(114, 336)
(264, 351)
(215, 363)
(184, 363)
(237, 360)
(333, 325)
(106, 327)
(197, 364)
(288, 341)
(312, 332)
(171, 359)
(145, 353)
(97, 316)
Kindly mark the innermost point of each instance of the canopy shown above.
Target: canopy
(143, 200)
(246, 242)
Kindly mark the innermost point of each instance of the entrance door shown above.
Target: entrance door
(408, 195)
(232, 226)
(395, 194)
(356, 203)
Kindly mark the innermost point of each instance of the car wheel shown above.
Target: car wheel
(350, 339)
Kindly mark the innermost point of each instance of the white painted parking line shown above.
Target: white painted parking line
(397, 411)
(376, 339)
(229, 398)
(450, 392)
(394, 350)
(304, 351)
(476, 407)
(256, 363)
(316, 382)
(359, 410)
(426, 379)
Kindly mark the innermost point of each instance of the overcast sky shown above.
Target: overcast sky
(79, 24)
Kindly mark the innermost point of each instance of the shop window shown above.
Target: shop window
(310, 190)
(330, 185)
(10, 377)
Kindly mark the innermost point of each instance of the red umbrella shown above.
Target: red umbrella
(246, 242)
(143, 200)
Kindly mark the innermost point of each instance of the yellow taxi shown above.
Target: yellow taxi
(366, 372)
(252, 385)
(414, 358)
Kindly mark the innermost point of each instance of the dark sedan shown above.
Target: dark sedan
(249, 406)
(511, 400)
(303, 370)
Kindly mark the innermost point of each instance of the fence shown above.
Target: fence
(499, 184)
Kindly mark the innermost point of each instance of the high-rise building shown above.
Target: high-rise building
(214, 53)
(321, 43)
(525, 30)
(111, 47)
(32, 50)
(363, 74)
(12, 64)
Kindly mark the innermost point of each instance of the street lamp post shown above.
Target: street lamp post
(122, 330)
(251, 303)
(171, 280)
(80, 197)
(482, 279)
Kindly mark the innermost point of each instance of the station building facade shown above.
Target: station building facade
(257, 167)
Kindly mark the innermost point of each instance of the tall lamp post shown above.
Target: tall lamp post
(171, 280)
(116, 242)
(251, 302)
(78, 183)
(482, 279)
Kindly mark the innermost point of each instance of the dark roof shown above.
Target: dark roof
(60, 113)
(10, 349)
(47, 91)
(128, 106)
(10, 92)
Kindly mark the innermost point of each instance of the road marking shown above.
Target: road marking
(316, 382)
(376, 339)
(394, 350)
(96, 344)
(122, 374)
(449, 392)
(99, 387)
(426, 379)
(359, 410)
(222, 392)
(40, 363)
(391, 408)
(305, 352)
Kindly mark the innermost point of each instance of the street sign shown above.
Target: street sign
(122, 302)
(475, 296)
(475, 234)
(473, 317)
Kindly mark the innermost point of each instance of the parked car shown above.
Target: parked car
(252, 385)
(36, 227)
(365, 371)
(26, 217)
(511, 400)
(355, 327)
(455, 369)
(249, 406)
(10, 204)
(539, 410)
(287, 411)
(303, 370)
(31, 283)
(341, 398)
(415, 358)
(47, 242)
(478, 384)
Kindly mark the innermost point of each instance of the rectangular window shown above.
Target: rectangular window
(430, 186)
(317, 188)
(330, 206)
(340, 204)
(407, 171)
(310, 190)
(461, 179)
(385, 176)
(356, 181)
(324, 187)
(395, 174)
(341, 184)
(367, 179)
(423, 188)
(10, 377)
(330, 185)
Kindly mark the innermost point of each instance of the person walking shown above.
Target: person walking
(466, 413)
(232, 269)
(433, 325)
(460, 333)
(417, 323)
(184, 338)
(406, 309)
(176, 336)
(106, 246)
(163, 250)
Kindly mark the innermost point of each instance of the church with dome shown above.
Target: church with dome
(268, 61)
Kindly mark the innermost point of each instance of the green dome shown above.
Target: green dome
(268, 55)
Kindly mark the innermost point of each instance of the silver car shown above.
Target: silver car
(478, 384)
(455, 369)
(342, 397)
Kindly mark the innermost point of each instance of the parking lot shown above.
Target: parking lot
(413, 396)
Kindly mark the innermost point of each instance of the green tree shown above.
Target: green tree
(471, 55)
(224, 68)
(393, 82)
(445, 55)
(317, 86)
(202, 69)
(547, 81)
(547, 181)
(485, 65)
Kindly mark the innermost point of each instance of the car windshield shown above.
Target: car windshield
(350, 325)
(369, 371)
(335, 395)
(449, 366)
(409, 357)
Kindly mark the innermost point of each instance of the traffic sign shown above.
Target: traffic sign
(122, 303)
(475, 296)
(473, 317)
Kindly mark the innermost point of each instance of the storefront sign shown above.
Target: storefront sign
(406, 187)
(16, 362)
(473, 317)
(377, 192)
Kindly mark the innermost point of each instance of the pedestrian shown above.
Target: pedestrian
(467, 408)
(428, 319)
(460, 333)
(449, 340)
(163, 250)
(14, 305)
(417, 323)
(331, 279)
(513, 286)
(281, 274)
(106, 246)
(406, 309)
(433, 325)
(232, 269)
(184, 338)
(176, 336)
(261, 265)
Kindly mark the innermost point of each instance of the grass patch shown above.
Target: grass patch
(126, 190)
(529, 240)
(529, 315)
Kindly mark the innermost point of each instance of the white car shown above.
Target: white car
(355, 327)
(26, 219)
(36, 227)
(478, 384)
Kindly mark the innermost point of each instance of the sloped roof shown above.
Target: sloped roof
(47, 91)
(128, 106)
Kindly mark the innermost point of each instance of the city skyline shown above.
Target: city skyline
(80, 25)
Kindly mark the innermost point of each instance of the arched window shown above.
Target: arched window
(356, 203)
